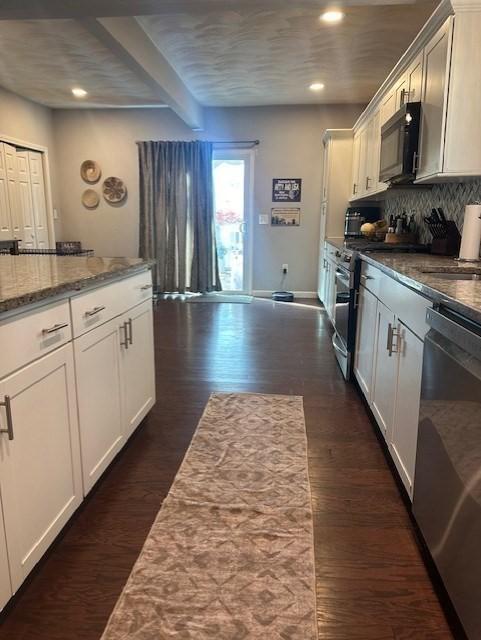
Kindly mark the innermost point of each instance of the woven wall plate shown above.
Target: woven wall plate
(90, 199)
(90, 171)
(114, 190)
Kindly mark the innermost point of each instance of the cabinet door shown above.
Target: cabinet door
(12, 183)
(97, 361)
(325, 170)
(385, 371)
(40, 474)
(6, 226)
(415, 79)
(365, 340)
(25, 203)
(332, 290)
(388, 106)
(39, 203)
(363, 160)
(137, 366)
(5, 583)
(356, 150)
(406, 409)
(400, 92)
(374, 183)
(433, 101)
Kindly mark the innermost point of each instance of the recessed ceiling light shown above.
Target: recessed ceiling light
(78, 92)
(332, 16)
(316, 86)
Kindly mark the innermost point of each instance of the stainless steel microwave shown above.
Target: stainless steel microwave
(399, 145)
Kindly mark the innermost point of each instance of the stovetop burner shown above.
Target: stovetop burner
(369, 246)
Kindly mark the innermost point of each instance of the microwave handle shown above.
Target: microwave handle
(416, 159)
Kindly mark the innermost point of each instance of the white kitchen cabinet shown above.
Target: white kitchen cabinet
(356, 162)
(388, 106)
(365, 340)
(363, 160)
(400, 92)
(436, 67)
(403, 441)
(414, 80)
(40, 474)
(384, 375)
(97, 361)
(5, 583)
(137, 366)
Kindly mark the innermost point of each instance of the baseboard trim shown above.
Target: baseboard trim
(297, 294)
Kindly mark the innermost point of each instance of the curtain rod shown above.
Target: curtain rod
(254, 143)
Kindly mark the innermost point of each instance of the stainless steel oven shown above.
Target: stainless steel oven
(345, 310)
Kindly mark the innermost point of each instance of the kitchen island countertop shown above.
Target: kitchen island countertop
(28, 279)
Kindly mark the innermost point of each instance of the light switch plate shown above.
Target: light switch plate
(263, 218)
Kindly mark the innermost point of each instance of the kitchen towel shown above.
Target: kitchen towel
(471, 240)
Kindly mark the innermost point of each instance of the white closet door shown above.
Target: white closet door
(6, 227)
(27, 221)
(38, 199)
(12, 188)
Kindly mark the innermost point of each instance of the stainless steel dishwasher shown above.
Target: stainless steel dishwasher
(447, 486)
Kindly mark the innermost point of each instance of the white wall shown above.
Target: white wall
(290, 147)
(30, 123)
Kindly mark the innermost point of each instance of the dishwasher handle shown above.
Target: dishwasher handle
(463, 332)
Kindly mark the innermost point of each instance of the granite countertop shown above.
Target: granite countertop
(410, 269)
(28, 279)
(336, 242)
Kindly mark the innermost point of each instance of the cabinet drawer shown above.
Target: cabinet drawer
(136, 289)
(92, 309)
(410, 307)
(371, 278)
(29, 336)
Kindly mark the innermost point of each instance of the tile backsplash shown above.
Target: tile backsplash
(451, 196)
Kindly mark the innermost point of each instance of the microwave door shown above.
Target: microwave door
(392, 152)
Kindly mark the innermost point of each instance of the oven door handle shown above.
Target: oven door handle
(336, 346)
(343, 276)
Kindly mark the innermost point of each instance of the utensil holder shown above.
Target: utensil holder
(448, 246)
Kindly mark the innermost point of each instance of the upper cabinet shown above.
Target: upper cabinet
(440, 70)
(433, 100)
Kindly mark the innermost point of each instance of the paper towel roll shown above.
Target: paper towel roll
(471, 240)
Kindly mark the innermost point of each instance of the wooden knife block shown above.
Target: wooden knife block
(448, 246)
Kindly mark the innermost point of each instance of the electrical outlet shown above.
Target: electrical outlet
(285, 268)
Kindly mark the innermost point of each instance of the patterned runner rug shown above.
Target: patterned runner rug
(230, 555)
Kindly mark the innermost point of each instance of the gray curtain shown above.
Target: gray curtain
(177, 215)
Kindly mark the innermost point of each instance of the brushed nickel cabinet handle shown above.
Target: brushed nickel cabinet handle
(130, 332)
(354, 188)
(125, 342)
(56, 327)
(368, 180)
(8, 412)
(389, 339)
(94, 311)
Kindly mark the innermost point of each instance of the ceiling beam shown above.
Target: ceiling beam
(53, 9)
(129, 42)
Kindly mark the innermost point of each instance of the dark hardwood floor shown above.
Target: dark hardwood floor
(372, 583)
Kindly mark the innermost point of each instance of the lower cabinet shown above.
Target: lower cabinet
(115, 386)
(97, 361)
(40, 474)
(137, 366)
(5, 584)
(385, 370)
(365, 340)
(388, 366)
(404, 436)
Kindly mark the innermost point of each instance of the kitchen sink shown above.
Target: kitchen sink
(457, 276)
(454, 273)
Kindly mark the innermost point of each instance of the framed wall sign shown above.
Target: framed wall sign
(286, 216)
(286, 189)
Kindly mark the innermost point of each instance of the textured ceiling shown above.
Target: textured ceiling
(253, 56)
(42, 60)
(228, 53)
